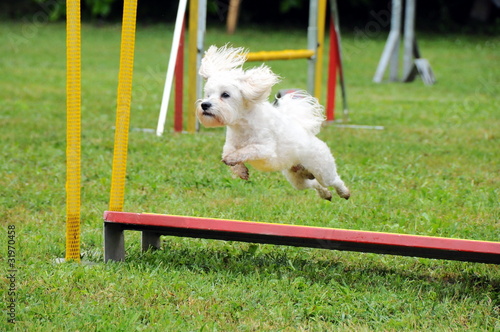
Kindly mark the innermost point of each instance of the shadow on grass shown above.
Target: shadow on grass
(356, 271)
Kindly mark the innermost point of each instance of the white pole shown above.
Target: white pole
(312, 44)
(391, 46)
(409, 39)
(171, 67)
(200, 41)
(359, 126)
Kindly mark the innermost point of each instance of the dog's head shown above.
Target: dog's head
(231, 91)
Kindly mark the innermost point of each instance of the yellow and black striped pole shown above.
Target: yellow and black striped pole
(73, 129)
(123, 105)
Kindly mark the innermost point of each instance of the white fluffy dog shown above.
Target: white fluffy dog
(280, 137)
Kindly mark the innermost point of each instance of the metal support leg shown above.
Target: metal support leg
(150, 240)
(391, 50)
(312, 44)
(200, 42)
(394, 62)
(114, 243)
(409, 41)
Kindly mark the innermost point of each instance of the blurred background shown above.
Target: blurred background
(465, 16)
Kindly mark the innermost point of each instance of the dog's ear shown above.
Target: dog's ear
(220, 59)
(257, 83)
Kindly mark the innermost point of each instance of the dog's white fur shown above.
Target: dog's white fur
(269, 137)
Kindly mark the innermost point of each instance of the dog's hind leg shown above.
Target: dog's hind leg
(321, 164)
(302, 179)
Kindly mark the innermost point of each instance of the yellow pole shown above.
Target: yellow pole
(73, 129)
(123, 105)
(192, 72)
(320, 49)
(279, 55)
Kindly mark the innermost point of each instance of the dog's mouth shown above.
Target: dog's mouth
(207, 113)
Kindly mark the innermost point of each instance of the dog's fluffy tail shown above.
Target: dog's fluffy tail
(303, 108)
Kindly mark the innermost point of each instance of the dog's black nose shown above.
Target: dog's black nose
(206, 105)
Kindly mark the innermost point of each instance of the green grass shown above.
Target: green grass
(434, 171)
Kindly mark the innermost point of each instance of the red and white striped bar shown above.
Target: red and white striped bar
(155, 225)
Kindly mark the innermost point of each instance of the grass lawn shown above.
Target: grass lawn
(434, 170)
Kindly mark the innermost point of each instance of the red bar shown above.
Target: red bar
(179, 81)
(333, 63)
(317, 237)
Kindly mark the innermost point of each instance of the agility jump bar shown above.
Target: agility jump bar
(279, 55)
(155, 225)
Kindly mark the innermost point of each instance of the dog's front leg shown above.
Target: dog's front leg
(247, 153)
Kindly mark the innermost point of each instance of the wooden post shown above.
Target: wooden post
(114, 242)
(232, 16)
(150, 240)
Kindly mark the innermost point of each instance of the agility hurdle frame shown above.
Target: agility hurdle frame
(153, 225)
(390, 55)
(313, 53)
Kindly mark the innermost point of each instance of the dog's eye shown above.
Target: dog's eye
(224, 95)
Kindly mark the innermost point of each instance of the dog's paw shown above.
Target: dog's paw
(229, 162)
(231, 159)
(346, 196)
(324, 193)
(341, 189)
(344, 193)
(241, 171)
